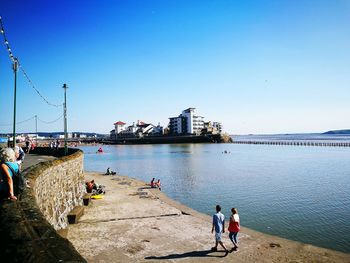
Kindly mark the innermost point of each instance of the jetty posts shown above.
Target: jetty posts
(297, 143)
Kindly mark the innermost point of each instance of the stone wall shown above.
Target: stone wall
(59, 187)
(27, 226)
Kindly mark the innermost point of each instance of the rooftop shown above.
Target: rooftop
(119, 123)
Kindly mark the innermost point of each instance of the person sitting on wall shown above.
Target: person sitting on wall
(7, 160)
(19, 154)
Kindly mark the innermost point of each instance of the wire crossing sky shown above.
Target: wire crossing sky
(15, 60)
(256, 66)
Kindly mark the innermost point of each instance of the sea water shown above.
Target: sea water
(296, 192)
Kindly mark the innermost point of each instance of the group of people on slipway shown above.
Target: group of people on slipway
(110, 172)
(155, 184)
(95, 188)
(219, 224)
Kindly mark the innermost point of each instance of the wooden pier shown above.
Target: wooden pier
(297, 143)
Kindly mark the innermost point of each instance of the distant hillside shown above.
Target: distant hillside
(338, 132)
(48, 134)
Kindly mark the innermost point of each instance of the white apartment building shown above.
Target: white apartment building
(188, 122)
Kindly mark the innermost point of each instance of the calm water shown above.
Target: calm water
(300, 193)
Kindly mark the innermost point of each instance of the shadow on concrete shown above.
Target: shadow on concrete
(191, 254)
(146, 187)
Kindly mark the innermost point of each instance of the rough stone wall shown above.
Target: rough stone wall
(25, 233)
(59, 188)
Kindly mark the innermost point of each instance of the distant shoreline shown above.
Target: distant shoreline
(209, 138)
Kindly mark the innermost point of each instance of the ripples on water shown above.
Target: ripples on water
(296, 192)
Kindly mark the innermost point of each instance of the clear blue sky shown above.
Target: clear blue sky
(256, 66)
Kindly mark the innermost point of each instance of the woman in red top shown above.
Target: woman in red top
(234, 228)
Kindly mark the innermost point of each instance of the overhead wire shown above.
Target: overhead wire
(31, 118)
(37, 91)
(50, 122)
(15, 60)
(2, 30)
(20, 122)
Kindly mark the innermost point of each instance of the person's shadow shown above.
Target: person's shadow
(193, 254)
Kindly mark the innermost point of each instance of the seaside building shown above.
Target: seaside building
(158, 130)
(112, 135)
(188, 122)
(119, 126)
(79, 135)
(217, 126)
(212, 128)
(136, 130)
(61, 136)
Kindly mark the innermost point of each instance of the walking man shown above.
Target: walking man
(219, 226)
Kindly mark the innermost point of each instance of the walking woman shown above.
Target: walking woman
(234, 228)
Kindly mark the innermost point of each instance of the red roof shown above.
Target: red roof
(119, 123)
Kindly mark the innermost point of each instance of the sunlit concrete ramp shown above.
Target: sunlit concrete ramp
(134, 223)
(126, 199)
(131, 223)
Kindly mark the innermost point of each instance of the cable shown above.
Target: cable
(20, 122)
(31, 118)
(2, 30)
(15, 60)
(50, 122)
(37, 91)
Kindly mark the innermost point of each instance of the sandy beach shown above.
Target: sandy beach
(134, 223)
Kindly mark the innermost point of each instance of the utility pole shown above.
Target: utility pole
(65, 119)
(15, 68)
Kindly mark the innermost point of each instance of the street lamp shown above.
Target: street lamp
(65, 119)
(15, 68)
